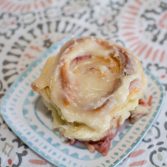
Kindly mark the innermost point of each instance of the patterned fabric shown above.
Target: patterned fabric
(29, 27)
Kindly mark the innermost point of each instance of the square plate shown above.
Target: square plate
(26, 115)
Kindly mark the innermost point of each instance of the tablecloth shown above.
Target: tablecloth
(28, 27)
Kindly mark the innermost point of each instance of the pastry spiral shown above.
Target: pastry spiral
(91, 86)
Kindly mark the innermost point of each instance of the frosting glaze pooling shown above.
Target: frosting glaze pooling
(91, 86)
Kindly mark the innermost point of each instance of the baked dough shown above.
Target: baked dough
(90, 86)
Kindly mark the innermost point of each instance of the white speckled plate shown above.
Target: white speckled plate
(25, 114)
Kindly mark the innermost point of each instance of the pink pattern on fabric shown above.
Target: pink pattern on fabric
(137, 163)
(136, 153)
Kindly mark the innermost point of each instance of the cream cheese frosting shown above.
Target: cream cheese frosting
(91, 86)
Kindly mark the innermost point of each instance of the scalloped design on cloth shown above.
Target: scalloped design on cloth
(21, 112)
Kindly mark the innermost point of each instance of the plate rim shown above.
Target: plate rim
(56, 46)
